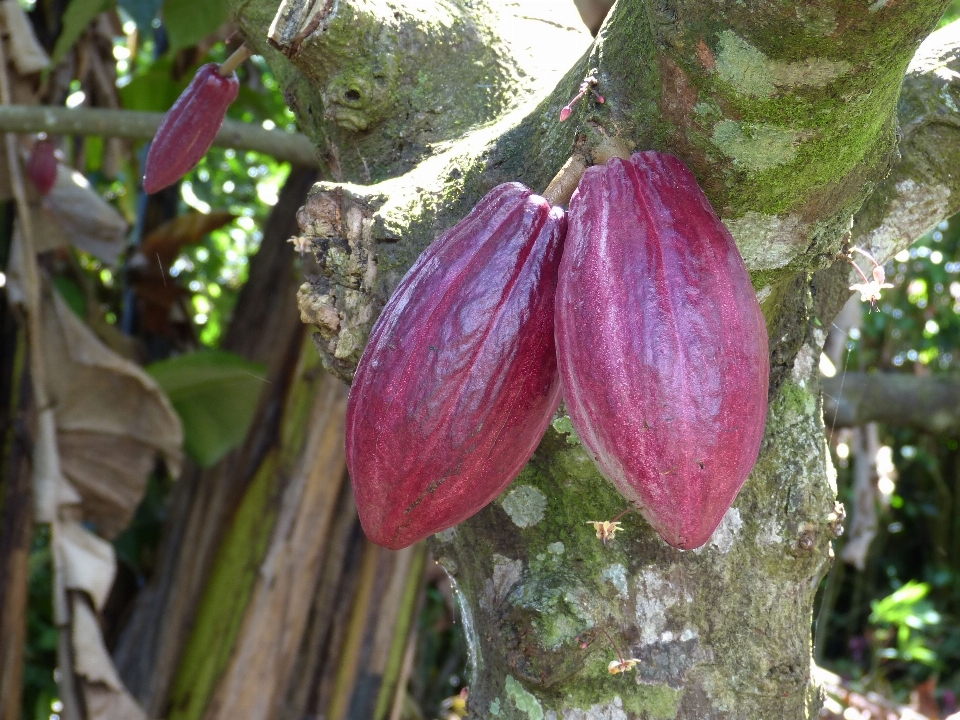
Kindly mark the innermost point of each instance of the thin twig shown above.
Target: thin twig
(619, 654)
(137, 125)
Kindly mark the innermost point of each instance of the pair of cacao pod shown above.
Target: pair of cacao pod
(646, 320)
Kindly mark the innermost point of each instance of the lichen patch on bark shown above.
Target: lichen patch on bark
(525, 702)
(726, 534)
(611, 711)
(756, 146)
(524, 504)
(616, 575)
(751, 72)
(768, 242)
(656, 592)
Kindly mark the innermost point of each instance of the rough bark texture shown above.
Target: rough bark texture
(786, 112)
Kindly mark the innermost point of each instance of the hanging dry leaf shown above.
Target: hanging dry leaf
(104, 695)
(112, 419)
(166, 241)
(102, 703)
(27, 54)
(74, 214)
(92, 661)
(157, 290)
(51, 490)
(88, 561)
(118, 476)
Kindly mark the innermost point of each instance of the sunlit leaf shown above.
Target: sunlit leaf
(73, 295)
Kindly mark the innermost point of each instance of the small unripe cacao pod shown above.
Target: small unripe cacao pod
(459, 379)
(42, 166)
(661, 344)
(189, 127)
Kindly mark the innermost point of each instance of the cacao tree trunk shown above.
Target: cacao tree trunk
(787, 114)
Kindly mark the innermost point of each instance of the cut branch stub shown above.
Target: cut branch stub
(337, 223)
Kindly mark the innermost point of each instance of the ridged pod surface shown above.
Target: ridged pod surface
(189, 127)
(661, 344)
(459, 378)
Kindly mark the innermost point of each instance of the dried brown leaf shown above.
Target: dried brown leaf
(91, 659)
(112, 419)
(103, 703)
(51, 489)
(88, 562)
(189, 229)
(26, 53)
(107, 471)
(74, 214)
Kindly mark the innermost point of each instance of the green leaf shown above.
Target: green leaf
(189, 21)
(216, 395)
(75, 20)
(153, 90)
(143, 12)
(72, 293)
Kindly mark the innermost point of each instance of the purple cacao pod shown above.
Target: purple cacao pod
(661, 344)
(189, 127)
(42, 166)
(459, 379)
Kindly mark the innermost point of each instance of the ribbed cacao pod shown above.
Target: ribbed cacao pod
(661, 344)
(42, 166)
(459, 379)
(189, 127)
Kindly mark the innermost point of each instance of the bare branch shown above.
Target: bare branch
(291, 147)
(930, 404)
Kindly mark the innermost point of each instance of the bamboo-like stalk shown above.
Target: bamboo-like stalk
(350, 655)
(397, 668)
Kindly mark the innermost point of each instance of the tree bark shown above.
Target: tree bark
(787, 115)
